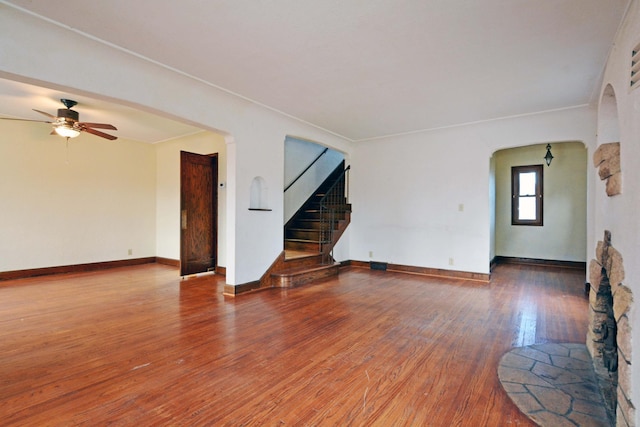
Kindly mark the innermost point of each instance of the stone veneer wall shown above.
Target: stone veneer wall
(609, 263)
(607, 159)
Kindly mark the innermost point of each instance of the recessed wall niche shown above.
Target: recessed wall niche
(259, 195)
(607, 155)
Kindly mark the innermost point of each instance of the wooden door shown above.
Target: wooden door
(198, 212)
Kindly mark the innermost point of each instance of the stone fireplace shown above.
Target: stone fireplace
(609, 331)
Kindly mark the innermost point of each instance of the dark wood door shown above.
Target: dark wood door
(198, 212)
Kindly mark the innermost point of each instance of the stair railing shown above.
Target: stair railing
(333, 207)
(306, 169)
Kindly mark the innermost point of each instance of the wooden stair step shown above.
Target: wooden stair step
(303, 230)
(307, 235)
(313, 224)
(315, 214)
(291, 255)
(303, 270)
(314, 241)
(301, 246)
(313, 259)
(298, 276)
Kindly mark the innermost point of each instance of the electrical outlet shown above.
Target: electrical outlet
(370, 254)
(461, 207)
(130, 251)
(450, 261)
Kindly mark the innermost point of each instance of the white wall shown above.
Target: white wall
(168, 191)
(619, 214)
(254, 134)
(406, 195)
(407, 190)
(89, 203)
(563, 236)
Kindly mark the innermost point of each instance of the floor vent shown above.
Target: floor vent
(635, 66)
(378, 265)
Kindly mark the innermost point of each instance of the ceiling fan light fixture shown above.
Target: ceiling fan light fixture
(66, 131)
(67, 123)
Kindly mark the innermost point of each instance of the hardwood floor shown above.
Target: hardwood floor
(138, 346)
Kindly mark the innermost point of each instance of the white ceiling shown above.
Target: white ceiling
(360, 68)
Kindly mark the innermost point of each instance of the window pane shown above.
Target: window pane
(526, 208)
(527, 184)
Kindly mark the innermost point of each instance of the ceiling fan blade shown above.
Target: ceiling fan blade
(98, 133)
(46, 114)
(24, 120)
(98, 125)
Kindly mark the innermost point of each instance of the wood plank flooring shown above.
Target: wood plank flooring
(138, 346)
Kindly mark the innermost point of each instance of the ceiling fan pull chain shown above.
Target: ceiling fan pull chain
(67, 152)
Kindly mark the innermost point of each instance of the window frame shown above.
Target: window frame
(515, 194)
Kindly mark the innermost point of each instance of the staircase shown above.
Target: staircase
(312, 233)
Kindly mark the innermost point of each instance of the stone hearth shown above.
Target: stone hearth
(609, 304)
(554, 385)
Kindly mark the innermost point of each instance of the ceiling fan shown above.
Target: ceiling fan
(66, 123)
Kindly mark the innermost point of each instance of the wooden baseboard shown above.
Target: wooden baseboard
(81, 268)
(176, 263)
(168, 261)
(232, 291)
(359, 264)
(75, 268)
(426, 271)
(576, 265)
(265, 282)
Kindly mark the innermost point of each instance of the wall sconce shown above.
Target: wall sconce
(548, 157)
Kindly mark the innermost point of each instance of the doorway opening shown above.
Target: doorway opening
(562, 237)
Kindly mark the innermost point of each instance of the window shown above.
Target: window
(526, 195)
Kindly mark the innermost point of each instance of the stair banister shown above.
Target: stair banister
(334, 201)
(306, 169)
